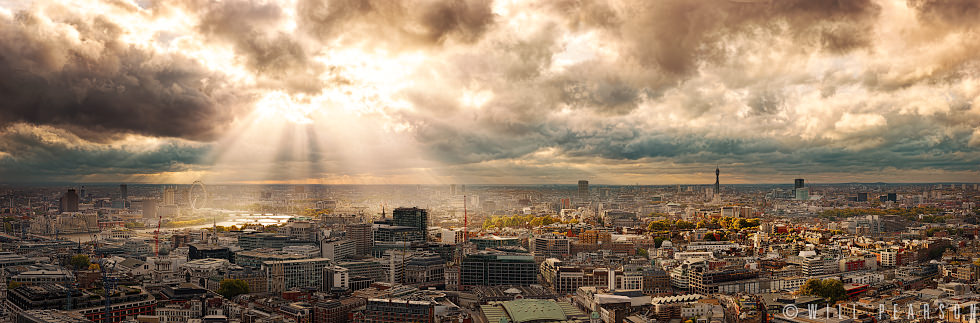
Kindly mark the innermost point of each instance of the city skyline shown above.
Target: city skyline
(489, 92)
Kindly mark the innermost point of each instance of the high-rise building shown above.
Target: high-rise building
(412, 217)
(170, 196)
(583, 190)
(69, 202)
(717, 182)
(363, 237)
(124, 192)
(802, 194)
(798, 183)
(452, 189)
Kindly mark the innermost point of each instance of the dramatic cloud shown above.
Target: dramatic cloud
(492, 91)
(74, 72)
(396, 23)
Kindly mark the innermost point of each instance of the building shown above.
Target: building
(128, 302)
(337, 248)
(425, 270)
(254, 258)
(566, 279)
(412, 217)
(550, 246)
(198, 271)
(49, 316)
(363, 236)
(267, 240)
(335, 278)
(371, 269)
(492, 242)
(492, 269)
(42, 276)
(68, 202)
(288, 274)
(336, 311)
(729, 281)
(533, 310)
(583, 191)
(387, 310)
(717, 182)
(202, 251)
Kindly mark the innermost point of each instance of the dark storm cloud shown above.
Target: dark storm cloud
(100, 87)
(250, 26)
(397, 23)
(962, 13)
(53, 155)
(675, 36)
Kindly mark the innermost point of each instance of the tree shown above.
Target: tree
(229, 288)
(642, 252)
(79, 262)
(684, 225)
(831, 290)
(93, 267)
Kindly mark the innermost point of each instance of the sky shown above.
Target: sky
(489, 91)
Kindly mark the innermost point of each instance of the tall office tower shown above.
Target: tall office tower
(412, 217)
(124, 192)
(69, 202)
(583, 190)
(717, 183)
(81, 194)
(361, 234)
(170, 196)
(452, 189)
(798, 183)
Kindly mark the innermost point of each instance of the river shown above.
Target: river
(233, 219)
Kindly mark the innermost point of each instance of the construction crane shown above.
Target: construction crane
(108, 284)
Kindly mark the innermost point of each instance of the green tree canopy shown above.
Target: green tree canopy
(79, 262)
(229, 288)
(831, 290)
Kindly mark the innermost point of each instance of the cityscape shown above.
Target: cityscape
(490, 161)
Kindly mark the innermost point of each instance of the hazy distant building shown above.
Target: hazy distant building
(717, 182)
(862, 197)
(412, 217)
(123, 192)
(170, 196)
(802, 194)
(69, 202)
(583, 190)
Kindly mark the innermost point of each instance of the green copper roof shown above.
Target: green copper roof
(528, 310)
